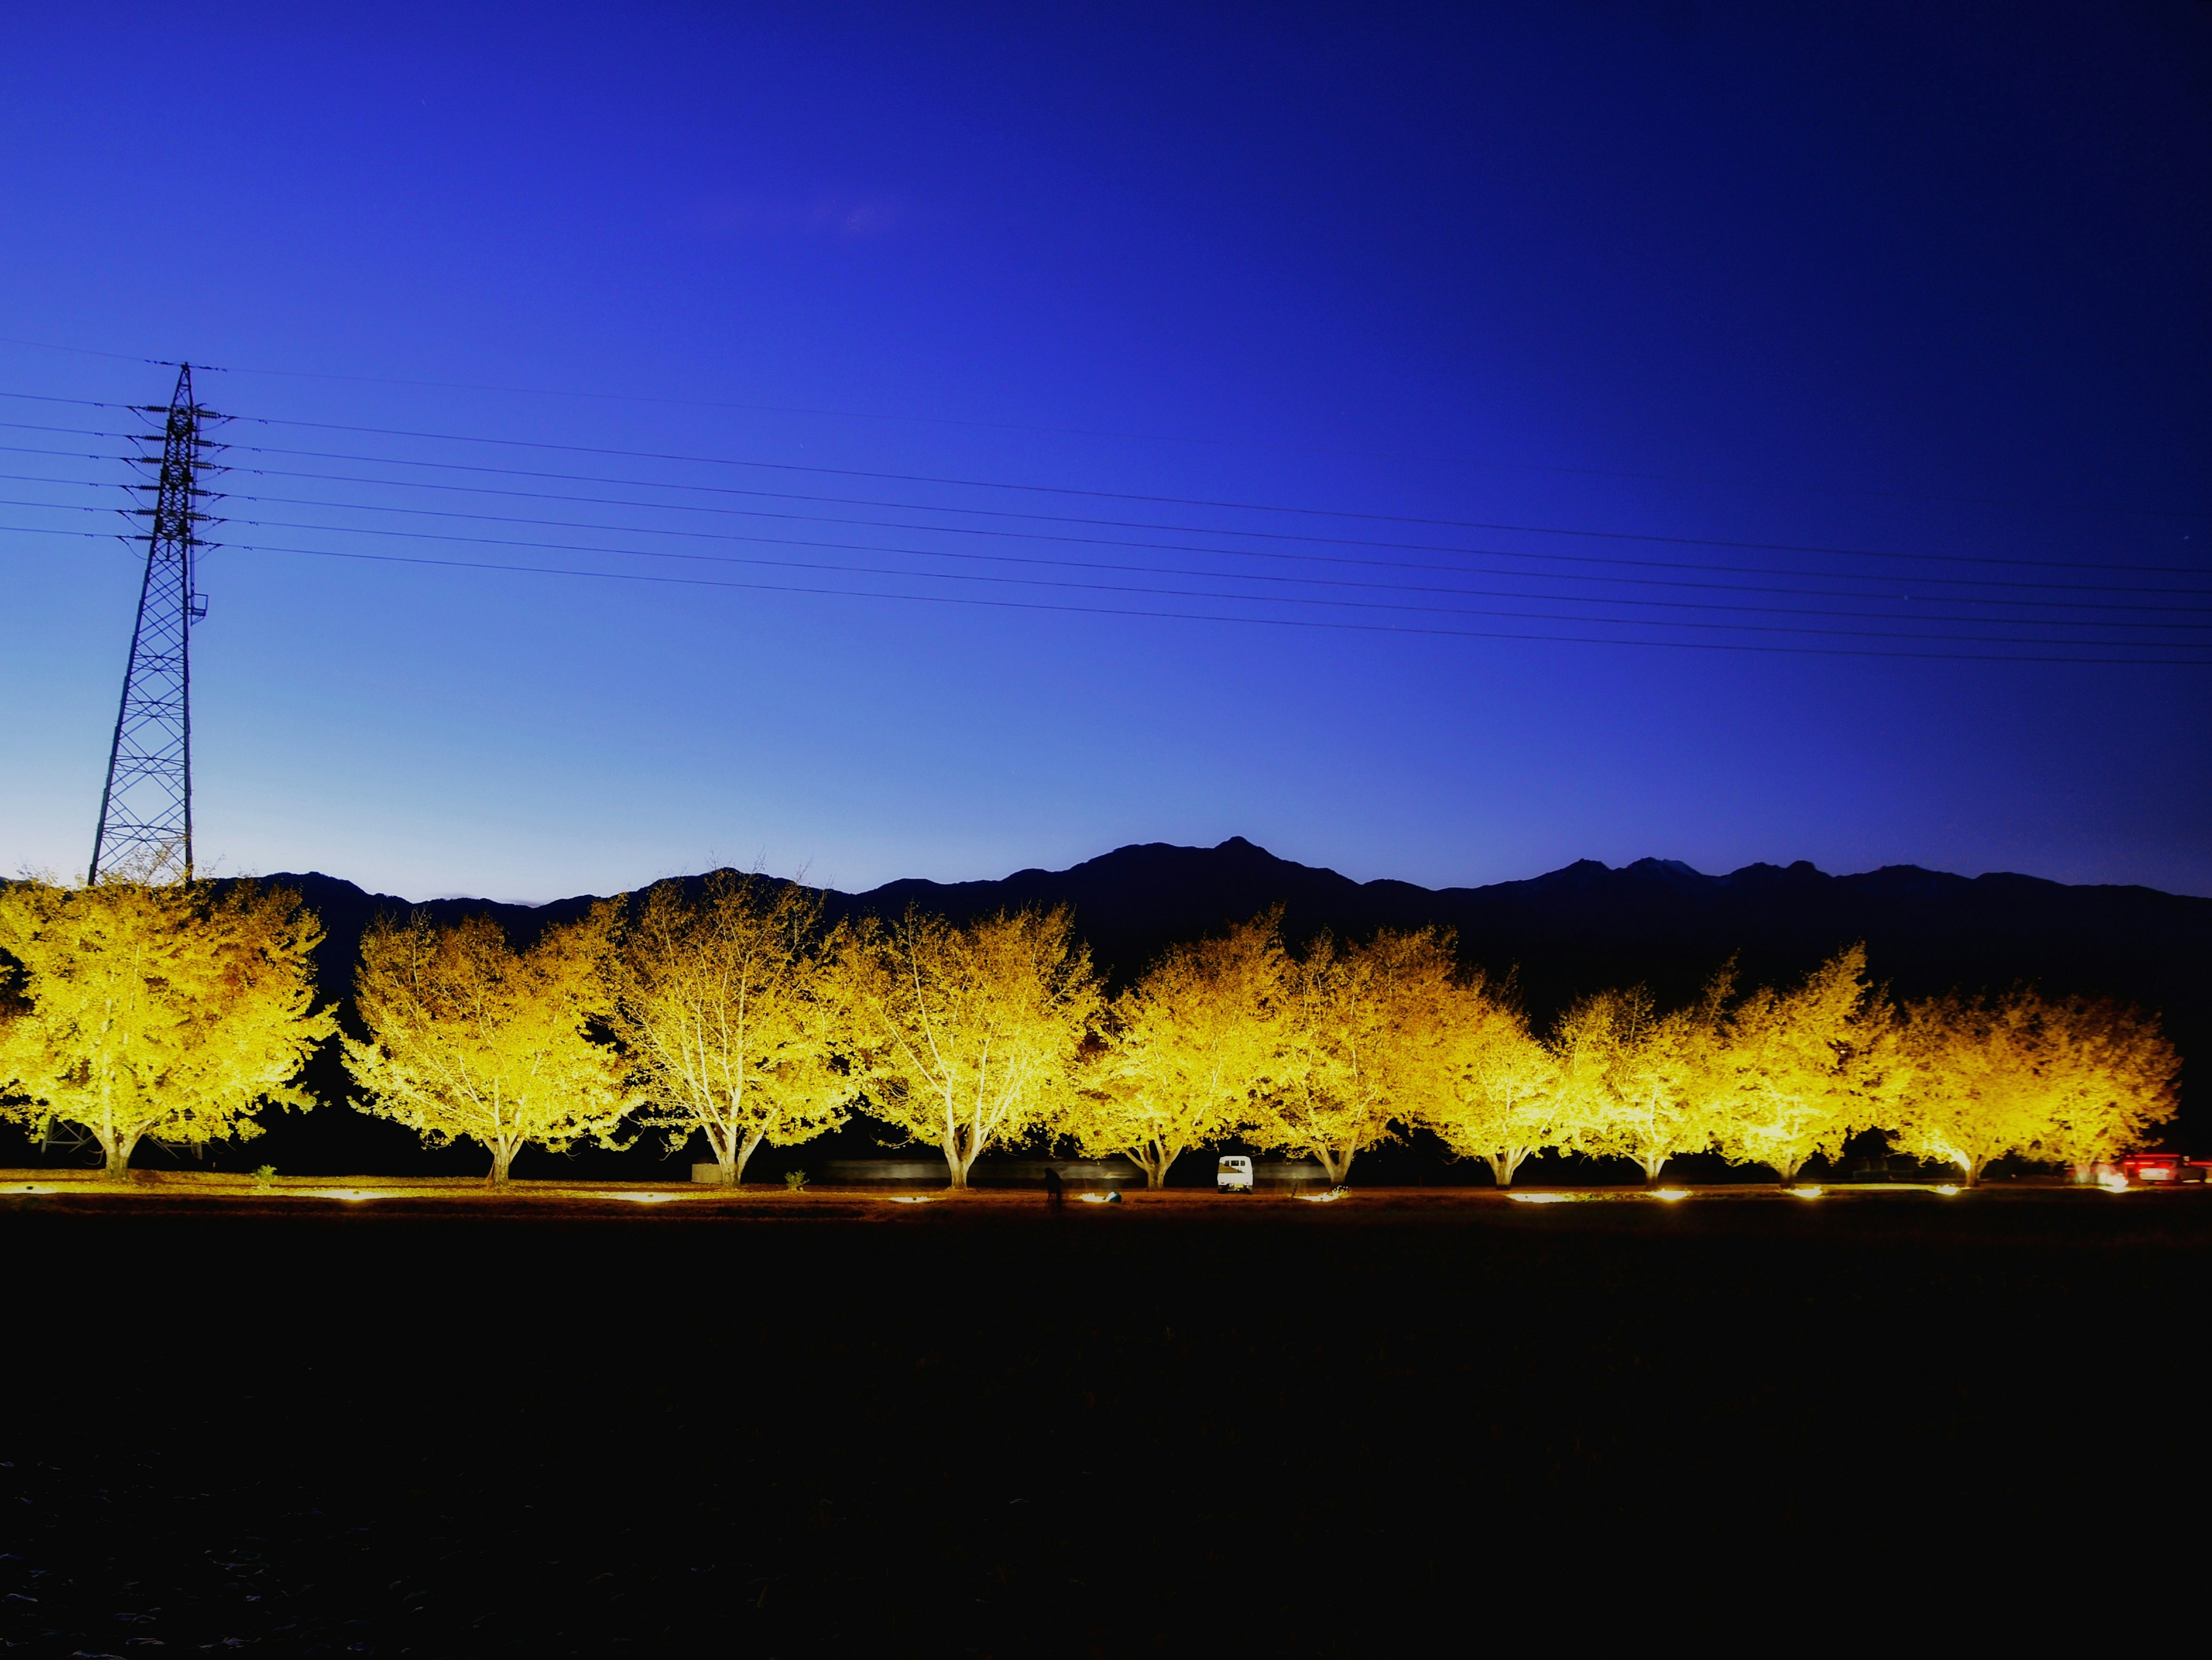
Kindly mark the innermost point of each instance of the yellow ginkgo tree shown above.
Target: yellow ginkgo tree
(724, 1004)
(1801, 1070)
(2045, 1079)
(967, 1038)
(1638, 1085)
(1185, 1052)
(170, 1010)
(470, 1039)
(2114, 1074)
(1359, 1041)
(1496, 1092)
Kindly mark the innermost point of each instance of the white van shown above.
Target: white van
(1235, 1175)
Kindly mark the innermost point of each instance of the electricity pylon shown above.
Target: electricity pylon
(146, 811)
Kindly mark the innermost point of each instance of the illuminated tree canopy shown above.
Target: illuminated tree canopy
(472, 1040)
(968, 1037)
(1184, 1054)
(1636, 1083)
(177, 1011)
(1495, 1094)
(1803, 1069)
(156, 1010)
(1360, 1030)
(2067, 1078)
(727, 1010)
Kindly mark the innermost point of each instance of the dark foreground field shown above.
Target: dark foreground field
(972, 1427)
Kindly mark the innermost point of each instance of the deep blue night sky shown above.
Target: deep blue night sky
(1922, 288)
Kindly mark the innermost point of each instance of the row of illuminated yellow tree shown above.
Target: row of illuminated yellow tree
(178, 1012)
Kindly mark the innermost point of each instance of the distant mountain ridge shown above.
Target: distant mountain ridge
(1566, 932)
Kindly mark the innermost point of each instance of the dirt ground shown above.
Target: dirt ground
(445, 1422)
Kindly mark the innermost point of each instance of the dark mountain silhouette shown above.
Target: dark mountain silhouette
(1562, 935)
(1657, 920)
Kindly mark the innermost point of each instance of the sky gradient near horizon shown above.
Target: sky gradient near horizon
(1743, 338)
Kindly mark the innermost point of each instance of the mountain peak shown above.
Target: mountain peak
(1670, 866)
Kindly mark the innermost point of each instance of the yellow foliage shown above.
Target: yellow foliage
(725, 1010)
(1636, 1083)
(1496, 1092)
(1803, 1069)
(1359, 1039)
(1186, 1050)
(156, 1010)
(968, 1037)
(472, 1040)
(2066, 1080)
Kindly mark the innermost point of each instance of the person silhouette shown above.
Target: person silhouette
(1051, 1189)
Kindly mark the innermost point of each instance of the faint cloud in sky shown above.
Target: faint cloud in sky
(841, 218)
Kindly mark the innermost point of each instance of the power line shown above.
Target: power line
(1095, 541)
(1156, 501)
(116, 356)
(2047, 640)
(1264, 621)
(1151, 438)
(1305, 538)
(633, 576)
(558, 547)
(1102, 495)
(1186, 594)
(2163, 607)
(1063, 564)
(755, 538)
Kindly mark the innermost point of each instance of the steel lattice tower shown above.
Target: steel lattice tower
(146, 811)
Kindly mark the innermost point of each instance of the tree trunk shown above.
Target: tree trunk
(734, 1161)
(1788, 1170)
(1974, 1169)
(1651, 1169)
(118, 1158)
(1155, 1160)
(955, 1170)
(1334, 1165)
(502, 1158)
